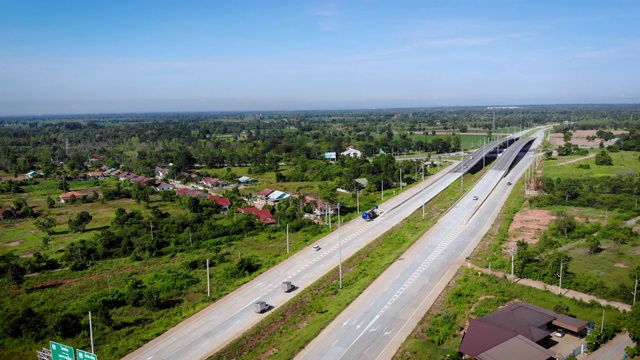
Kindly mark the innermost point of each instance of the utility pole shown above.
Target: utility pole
(382, 190)
(602, 325)
(358, 201)
(560, 291)
(287, 238)
(635, 290)
(151, 224)
(400, 179)
(513, 252)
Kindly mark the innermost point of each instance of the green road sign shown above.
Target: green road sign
(85, 355)
(60, 351)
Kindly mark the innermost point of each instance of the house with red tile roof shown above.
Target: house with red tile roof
(182, 191)
(213, 182)
(67, 196)
(263, 215)
(224, 203)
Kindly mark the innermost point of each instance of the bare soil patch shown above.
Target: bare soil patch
(620, 265)
(13, 243)
(580, 138)
(528, 225)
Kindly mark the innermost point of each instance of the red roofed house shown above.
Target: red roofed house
(182, 191)
(319, 207)
(224, 203)
(96, 157)
(213, 182)
(263, 215)
(160, 172)
(66, 197)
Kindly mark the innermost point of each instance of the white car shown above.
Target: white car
(560, 333)
(475, 198)
(316, 248)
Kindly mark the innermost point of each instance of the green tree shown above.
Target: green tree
(633, 323)
(79, 222)
(45, 224)
(50, 203)
(593, 244)
(565, 223)
(603, 158)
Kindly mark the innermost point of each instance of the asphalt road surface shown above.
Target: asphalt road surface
(375, 325)
(217, 325)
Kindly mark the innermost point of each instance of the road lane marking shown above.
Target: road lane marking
(375, 328)
(373, 302)
(346, 322)
(334, 342)
(389, 332)
(358, 327)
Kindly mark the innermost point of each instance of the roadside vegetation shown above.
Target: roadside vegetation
(288, 329)
(136, 258)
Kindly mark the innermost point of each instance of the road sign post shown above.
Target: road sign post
(85, 355)
(61, 351)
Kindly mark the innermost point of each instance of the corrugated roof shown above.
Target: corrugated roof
(520, 345)
(481, 336)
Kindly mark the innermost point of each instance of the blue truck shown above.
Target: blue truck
(371, 214)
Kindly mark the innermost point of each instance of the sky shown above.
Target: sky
(85, 56)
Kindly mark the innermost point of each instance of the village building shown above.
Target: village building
(263, 215)
(352, 152)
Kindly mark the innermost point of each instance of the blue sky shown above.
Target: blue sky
(121, 56)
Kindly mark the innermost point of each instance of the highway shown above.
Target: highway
(375, 325)
(220, 323)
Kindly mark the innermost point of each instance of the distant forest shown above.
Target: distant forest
(139, 142)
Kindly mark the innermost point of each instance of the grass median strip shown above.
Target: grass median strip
(290, 327)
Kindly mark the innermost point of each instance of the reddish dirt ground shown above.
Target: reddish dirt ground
(580, 138)
(528, 225)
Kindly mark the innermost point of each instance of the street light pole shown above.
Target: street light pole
(339, 246)
(91, 333)
(424, 200)
(462, 177)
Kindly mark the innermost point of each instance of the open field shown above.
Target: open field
(622, 160)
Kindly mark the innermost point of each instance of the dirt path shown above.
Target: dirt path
(555, 289)
(574, 160)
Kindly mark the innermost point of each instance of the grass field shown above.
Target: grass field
(621, 161)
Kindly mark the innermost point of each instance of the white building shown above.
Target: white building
(351, 151)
